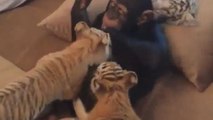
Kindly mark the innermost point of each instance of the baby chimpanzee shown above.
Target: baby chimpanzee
(138, 47)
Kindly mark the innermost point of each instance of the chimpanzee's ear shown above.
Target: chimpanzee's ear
(146, 16)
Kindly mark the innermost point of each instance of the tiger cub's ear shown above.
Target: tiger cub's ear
(130, 79)
(95, 85)
(106, 39)
(80, 28)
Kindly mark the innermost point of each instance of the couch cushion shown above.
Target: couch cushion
(191, 47)
(59, 22)
(8, 72)
(21, 41)
(174, 98)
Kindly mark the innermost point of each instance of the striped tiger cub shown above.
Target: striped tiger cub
(56, 76)
(110, 85)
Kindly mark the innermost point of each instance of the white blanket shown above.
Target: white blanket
(9, 4)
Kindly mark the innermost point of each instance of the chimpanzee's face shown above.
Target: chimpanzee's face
(115, 15)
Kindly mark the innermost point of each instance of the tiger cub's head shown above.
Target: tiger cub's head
(98, 41)
(110, 77)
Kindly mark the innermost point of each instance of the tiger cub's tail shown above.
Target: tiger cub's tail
(80, 109)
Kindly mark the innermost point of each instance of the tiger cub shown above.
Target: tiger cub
(110, 86)
(57, 76)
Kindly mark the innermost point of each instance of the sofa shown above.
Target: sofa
(173, 96)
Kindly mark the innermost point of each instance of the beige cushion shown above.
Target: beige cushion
(59, 22)
(8, 72)
(192, 47)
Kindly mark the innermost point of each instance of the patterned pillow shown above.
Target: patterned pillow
(176, 12)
